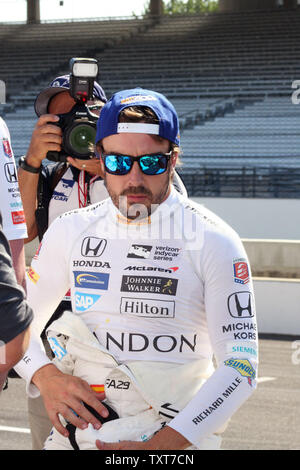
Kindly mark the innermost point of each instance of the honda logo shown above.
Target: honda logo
(240, 305)
(10, 172)
(93, 247)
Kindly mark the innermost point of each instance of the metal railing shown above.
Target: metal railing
(248, 182)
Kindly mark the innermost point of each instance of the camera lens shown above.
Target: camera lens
(81, 137)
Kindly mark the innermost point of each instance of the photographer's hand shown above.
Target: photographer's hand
(46, 136)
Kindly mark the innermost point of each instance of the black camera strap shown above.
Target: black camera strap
(44, 194)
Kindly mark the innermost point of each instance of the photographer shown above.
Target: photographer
(62, 186)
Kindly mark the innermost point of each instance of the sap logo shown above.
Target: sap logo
(85, 301)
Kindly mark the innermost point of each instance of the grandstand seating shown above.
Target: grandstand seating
(229, 76)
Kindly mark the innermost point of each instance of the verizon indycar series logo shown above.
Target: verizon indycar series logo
(139, 251)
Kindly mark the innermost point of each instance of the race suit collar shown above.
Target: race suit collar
(164, 210)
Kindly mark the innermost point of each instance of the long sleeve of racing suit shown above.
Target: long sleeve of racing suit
(231, 321)
(53, 284)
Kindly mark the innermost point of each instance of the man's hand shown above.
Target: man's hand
(45, 137)
(166, 439)
(63, 394)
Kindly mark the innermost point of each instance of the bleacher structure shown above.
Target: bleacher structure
(229, 76)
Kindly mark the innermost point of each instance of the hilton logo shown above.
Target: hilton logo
(148, 308)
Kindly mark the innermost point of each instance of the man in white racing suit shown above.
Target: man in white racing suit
(50, 190)
(14, 224)
(159, 286)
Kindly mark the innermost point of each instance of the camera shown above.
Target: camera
(79, 125)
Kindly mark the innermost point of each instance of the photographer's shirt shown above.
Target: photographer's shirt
(75, 189)
(14, 225)
(174, 288)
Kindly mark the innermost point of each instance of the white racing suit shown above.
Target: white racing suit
(145, 395)
(164, 296)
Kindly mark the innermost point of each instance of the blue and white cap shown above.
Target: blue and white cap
(167, 128)
(58, 85)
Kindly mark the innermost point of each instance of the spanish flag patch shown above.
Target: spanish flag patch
(97, 388)
(33, 276)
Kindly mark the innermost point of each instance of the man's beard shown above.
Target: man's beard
(138, 211)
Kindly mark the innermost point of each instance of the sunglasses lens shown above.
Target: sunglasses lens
(153, 164)
(118, 164)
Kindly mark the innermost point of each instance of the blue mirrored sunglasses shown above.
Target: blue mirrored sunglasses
(153, 164)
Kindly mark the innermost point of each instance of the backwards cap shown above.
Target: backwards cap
(167, 128)
(58, 85)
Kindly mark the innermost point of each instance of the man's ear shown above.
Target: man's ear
(99, 151)
(174, 159)
(102, 166)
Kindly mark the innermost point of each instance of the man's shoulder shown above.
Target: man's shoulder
(90, 212)
(214, 229)
(71, 224)
(209, 219)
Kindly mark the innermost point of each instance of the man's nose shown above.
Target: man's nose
(136, 176)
